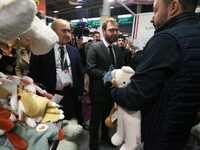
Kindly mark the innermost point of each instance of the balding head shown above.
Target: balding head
(63, 30)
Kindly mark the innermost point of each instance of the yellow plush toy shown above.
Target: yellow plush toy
(34, 108)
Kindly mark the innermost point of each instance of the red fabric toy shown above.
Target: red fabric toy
(6, 126)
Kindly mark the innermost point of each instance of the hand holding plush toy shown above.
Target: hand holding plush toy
(128, 122)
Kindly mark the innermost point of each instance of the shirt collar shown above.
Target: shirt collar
(56, 46)
(106, 43)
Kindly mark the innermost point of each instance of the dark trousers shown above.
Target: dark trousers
(72, 106)
(100, 111)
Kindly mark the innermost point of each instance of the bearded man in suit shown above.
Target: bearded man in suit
(101, 56)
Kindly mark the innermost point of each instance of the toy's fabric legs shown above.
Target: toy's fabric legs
(118, 137)
(132, 126)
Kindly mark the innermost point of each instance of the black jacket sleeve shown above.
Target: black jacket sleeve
(161, 58)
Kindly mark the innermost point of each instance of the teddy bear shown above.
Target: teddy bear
(128, 121)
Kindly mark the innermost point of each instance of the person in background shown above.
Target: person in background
(126, 54)
(166, 84)
(96, 37)
(23, 57)
(61, 72)
(8, 57)
(101, 56)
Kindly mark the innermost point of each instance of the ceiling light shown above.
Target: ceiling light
(124, 16)
(55, 11)
(77, 7)
(110, 1)
(73, 2)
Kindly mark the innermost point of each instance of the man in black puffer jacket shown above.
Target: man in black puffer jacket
(166, 84)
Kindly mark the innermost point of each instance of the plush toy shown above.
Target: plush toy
(128, 122)
(30, 107)
(33, 109)
(6, 129)
(112, 117)
(30, 86)
(18, 18)
(42, 38)
(72, 131)
(39, 138)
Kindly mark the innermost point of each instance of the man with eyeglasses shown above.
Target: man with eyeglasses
(101, 56)
(60, 71)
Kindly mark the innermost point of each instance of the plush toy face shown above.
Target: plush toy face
(121, 77)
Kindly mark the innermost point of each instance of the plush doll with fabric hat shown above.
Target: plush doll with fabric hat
(128, 122)
(7, 126)
(18, 18)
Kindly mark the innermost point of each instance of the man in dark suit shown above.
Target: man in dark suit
(101, 56)
(60, 71)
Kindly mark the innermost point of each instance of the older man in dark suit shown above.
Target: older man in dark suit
(101, 56)
(60, 70)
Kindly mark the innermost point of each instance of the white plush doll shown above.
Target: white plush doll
(128, 122)
(16, 17)
(42, 38)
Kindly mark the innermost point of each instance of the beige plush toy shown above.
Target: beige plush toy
(34, 109)
(128, 122)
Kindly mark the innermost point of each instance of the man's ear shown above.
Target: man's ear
(174, 8)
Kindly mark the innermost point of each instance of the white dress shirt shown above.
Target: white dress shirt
(58, 64)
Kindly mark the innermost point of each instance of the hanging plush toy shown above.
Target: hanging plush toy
(42, 38)
(128, 122)
(18, 18)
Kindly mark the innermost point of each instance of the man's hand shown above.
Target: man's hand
(107, 79)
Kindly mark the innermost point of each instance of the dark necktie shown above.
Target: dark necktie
(111, 55)
(62, 58)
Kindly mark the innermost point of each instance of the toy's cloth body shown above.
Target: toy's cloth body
(128, 129)
(37, 140)
(128, 122)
